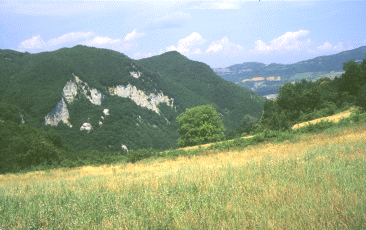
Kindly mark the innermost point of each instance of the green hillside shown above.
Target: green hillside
(275, 75)
(117, 100)
(203, 86)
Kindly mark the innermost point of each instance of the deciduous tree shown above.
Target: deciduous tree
(200, 125)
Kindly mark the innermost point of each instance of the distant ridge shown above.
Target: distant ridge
(266, 79)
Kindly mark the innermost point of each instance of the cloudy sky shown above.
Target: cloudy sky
(219, 33)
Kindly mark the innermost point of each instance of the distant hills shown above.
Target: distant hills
(98, 99)
(266, 79)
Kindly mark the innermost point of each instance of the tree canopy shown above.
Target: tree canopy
(200, 125)
(307, 100)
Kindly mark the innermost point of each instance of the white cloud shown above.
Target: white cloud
(261, 46)
(101, 41)
(36, 42)
(328, 46)
(223, 45)
(325, 46)
(69, 37)
(188, 44)
(192, 40)
(287, 41)
(133, 35)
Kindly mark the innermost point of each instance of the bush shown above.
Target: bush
(137, 155)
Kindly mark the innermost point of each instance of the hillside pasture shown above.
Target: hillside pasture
(333, 118)
(318, 182)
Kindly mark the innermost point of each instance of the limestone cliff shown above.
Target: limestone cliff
(72, 87)
(76, 87)
(140, 98)
(59, 113)
(69, 93)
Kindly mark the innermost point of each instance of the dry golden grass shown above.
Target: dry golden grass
(334, 118)
(254, 79)
(264, 186)
(152, 171)
(207, 145)
(278, 78)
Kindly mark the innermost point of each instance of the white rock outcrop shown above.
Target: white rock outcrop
(140, 98)
(76, 85)
(59, 113)
(106, 112)
(124, 147)
(135, 74)
(70, 91)
(86, 126)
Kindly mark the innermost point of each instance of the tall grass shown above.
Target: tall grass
(318, 182)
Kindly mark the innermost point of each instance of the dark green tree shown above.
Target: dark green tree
(273, 117)
(200, 125)
(361, 98)
(352, 80)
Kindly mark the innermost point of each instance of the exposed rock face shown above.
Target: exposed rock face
(106, 112)
(140, 98)
(124, 147)
(87, 127)
(135, 74)
(70, 91)
(59, 113)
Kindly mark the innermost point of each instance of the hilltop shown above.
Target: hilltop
(203, 86)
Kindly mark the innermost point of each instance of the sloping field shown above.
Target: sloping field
(318, 182)
(207, 145)
(334, 118)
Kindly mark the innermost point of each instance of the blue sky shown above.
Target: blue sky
(218, 33)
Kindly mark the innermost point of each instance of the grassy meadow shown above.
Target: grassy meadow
(316, 181)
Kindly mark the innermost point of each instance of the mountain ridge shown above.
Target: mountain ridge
(259, 77)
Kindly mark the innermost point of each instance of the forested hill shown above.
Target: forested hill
(266, 79)
(196, 81)
(75, 100)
